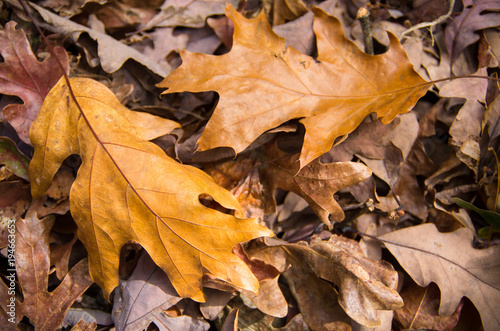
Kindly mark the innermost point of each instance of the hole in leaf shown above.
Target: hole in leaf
(209, 202)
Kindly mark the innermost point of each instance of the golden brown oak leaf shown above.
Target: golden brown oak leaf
(127, 189)
(262, 85)
(450, 261)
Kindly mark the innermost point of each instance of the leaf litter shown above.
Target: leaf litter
(307, 147)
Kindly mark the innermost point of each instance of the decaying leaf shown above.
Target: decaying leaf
(190, 13)
(461, 31)
(287, 10)
(44, 308)
(127, 189)
(450, 261)
(112, 53)
(143, 297)
(364, 286)
(466, 128)
(66, 8)
(13, 159)
(316, 183)
(22, 75)
(421, 309)
(262, 85)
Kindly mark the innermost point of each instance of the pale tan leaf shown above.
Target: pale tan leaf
(450, 261)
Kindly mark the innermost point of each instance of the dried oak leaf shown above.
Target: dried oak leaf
(461, 31)
(288, 10)
(22, 75)
(316, 183)
(112, 53)
(127, 189)
(421, 309)
(262, 85)
(191, 13)
(450, 261)
(13, 159)
(364, 286)
(143, 297)
(45, 309)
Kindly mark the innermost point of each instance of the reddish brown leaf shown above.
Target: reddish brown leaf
(45, 309)
(24, 76)
(421, 309)
(316, 183)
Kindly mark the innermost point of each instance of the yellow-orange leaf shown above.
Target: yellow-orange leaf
(262, 85)
(127, 189)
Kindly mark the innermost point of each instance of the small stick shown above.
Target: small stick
(363, 17)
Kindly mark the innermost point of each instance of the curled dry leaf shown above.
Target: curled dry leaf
(316, 183)
(262, 85)
(365, 286)
(465, 130)
(450, 261)
(287, 10)
(127, 189)
(112, 53)
(189, 13)
(22, 75)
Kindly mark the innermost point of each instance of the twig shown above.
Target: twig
(429, 25)
(363, 17)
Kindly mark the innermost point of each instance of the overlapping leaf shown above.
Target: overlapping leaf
(262, 85)
(127, 189)
(44, 308)
(316, 183)
(22, 75)
(462, 30)
(13, 159)
(450, 261)
(364, 286)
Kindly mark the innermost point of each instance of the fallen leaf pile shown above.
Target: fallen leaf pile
(245, 165)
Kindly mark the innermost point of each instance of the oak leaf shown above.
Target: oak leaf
(22, 75)
(262, 85)
(316, 183)
(127, 189)
(44, 308)
(186, 13)
(143, 298)
(421, 309)
(450, 261)
(364, 286)
(461, 31)
(112, 53)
